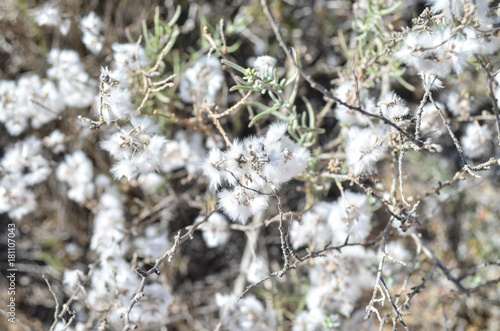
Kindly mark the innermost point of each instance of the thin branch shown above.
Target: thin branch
(494, 100)
(315, 85)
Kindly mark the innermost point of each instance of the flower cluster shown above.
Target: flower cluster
(202, 81)
(333, 223)
(254, 168)
(442, 50)
(23, 166)
(92, 26)
(247, 314)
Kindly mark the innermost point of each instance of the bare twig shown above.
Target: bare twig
(494, 100)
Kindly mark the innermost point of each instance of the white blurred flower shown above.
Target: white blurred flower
(476, 142)
(257, 270)
(350, 217)
(202, 81)
(348, 92)
(75, 86)
(49, 15)
(77, 171)
(310, 320)
(71, 279)
(55, 141)
(92, 26)
(246, 314)
(216, 230)
(314, 232)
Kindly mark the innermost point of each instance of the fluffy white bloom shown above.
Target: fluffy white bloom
(476, 141)
(216, 230)
(150, 182)
(14, 112)
(456, 8)
(46, 104)
(71, 278)
(431, 120)
(350, 217)
(185, 151)
(152, 243)
(114, 283)
(213, 166)
(91, 26)
(138, 150)
(437, 52)
(49, 15)
(74, 84)
(25, 162)
(257, 270)
(264, 66)
(347, 92)
(310, 320)
(395, 109)
(247, 314)
(363, 149)
(116, 101)
(338, 281)
(77, 171)
(239, 204)
(28, 100)
(314, 230)
(254, 168)
(126, 61)
(202, 81)
(109, 224)
(15, 198)
(457, 104)
(55, 141)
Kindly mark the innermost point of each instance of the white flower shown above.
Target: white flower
(202, 81)
(215, 231)
(314, 231)
(91, 26)
(116, 101)
(395, 109)
(363, 150)
(74, 84)
(310, 320)
(126, 61)
(246, 314)
(257, 270)
(55, 141)
(24, 160)
(350, 217)
(431, 120)
(15, 198)
(71, 279)
(264, 66)
(47, 15)
(425, 52)
(477, 140)
(254, 168)
(77, 171)
(348, 93)
(239, 204)
(152, 243)
(214, 168)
